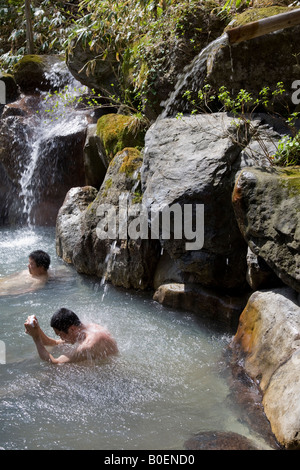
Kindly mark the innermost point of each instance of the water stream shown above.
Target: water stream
(53, 116)
(193, 76)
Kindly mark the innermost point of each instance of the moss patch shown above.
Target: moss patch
(254, 14)
(131, 162)
(117, 131)
(290, 179)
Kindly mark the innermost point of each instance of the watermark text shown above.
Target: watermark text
(2, 90)
(135, 221)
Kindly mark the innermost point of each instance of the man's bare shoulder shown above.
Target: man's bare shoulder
(19, 283)
(99, 340)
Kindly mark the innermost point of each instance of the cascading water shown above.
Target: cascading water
(193, 77)
(53, 122)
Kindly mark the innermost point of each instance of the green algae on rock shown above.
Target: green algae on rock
(117, 131)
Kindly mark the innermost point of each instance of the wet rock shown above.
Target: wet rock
(68, 220)
(206, 303)
(41, 72)
(267, 344)
(59, 167)
(217, 440)
(266, 204)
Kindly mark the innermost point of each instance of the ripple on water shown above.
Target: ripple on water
(164, 386)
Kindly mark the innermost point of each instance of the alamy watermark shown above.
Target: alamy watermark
(136, 221)
(2, 90)
(296, 93)
(2, 352)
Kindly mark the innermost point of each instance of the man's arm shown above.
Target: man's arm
(77, 356)
(46, 356)
(47, 341)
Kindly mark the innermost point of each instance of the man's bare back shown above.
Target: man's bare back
(91, 341)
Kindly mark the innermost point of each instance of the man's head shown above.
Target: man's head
(66, 324)
(39, 262)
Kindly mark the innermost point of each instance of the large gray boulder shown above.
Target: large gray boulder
(194, 160)
(266, 204)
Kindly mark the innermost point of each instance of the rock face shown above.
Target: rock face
(194, 161)
(214, 307)
(69, 219)
(41, 72)
(266, 204)
(124, 262)
(267, 341)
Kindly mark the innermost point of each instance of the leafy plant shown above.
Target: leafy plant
(242, 106)
(288, 151)
(52, 23)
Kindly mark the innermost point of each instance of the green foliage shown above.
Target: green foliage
(236, 4)
(242, 107)
(288, 151)
(51, 20)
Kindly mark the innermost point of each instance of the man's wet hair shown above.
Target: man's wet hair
(63, 319)
(41, 258)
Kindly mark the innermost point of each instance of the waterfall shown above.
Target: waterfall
(50, 130)
(192, 78)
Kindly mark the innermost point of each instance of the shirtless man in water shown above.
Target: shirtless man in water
(91, 340)
(28, 281)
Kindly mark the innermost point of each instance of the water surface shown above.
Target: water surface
(166, 384)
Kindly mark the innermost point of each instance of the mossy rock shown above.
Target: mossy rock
(118, 131)
(36, 72)
(290, 179)
(257, 13)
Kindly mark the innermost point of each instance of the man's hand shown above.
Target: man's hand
(32, 327)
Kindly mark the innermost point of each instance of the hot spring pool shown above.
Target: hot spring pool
(167, 383)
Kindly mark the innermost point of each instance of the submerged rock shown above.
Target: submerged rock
(219, 308)
(218, 440)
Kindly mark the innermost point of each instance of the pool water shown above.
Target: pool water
(166, 384)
